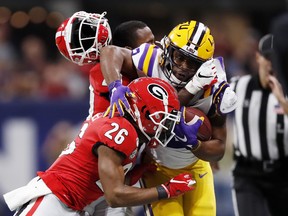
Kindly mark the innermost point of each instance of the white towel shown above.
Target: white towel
(35, 188)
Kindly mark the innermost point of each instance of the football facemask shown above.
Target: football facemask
(81, 37)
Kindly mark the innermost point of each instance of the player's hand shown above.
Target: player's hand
(176, 186)
(224, 99)
(186, 132)
(138, 171)
(118, 100)
(204, 78)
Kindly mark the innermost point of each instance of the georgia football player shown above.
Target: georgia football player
(95, 163)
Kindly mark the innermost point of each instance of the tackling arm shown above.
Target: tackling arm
(117, 194)
(115, 61)
(112, 179)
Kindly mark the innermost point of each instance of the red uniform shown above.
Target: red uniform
(99, 93)
(74, 177)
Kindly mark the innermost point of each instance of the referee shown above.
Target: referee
(260, 126)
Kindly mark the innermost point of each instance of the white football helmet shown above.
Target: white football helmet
(81, 37)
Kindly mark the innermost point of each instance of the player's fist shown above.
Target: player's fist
(118, 93)
(176, 186)
(187, 132)
(204, 78)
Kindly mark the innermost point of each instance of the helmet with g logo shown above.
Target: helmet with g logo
(193, 40)
(155, 108)
(80, 37)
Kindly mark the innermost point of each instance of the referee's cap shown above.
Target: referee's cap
(266, 46)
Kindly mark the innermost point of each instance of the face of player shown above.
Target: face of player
(183, 67)
(144, 35)
(265, 69)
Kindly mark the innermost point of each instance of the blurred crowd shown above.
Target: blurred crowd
(26, 72)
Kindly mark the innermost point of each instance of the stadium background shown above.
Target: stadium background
(44, 98)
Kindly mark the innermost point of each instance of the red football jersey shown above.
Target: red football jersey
(99, 93)
(74, 177)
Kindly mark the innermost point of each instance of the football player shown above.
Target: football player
(185, 59)
(95, 163)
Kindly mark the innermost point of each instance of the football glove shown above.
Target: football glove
(176, 186)
(204, 78)
(118, 93)
(224, 99)
(186, 133)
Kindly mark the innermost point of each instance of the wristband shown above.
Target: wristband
(162, 193)
(114, 84)
(191, 88)
(197, 146)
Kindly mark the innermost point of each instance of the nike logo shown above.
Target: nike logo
(190, 183)
(202, 175)
(182, 139)
(176, 181)
(203, 76)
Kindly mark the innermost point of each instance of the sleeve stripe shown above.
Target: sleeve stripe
(143, 56)
(147, 59)
(152, 61)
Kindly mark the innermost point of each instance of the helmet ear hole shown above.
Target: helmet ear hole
(147, 115)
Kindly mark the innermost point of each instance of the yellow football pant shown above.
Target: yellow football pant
(198, 202)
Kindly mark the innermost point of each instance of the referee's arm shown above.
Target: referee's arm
(277, 90)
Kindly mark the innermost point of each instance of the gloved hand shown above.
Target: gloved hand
(186, 133)
(224, 99)
(204, 78)
(118, 93)
(176, 186)
(137, 172)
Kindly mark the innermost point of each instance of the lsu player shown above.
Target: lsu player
(185, 59)
(95, 163)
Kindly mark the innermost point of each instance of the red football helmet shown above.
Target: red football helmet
(155, 108)
(80, 37)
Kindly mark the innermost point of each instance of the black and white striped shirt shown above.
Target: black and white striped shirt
(260, 126)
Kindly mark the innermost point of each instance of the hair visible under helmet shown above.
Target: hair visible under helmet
(121, 32)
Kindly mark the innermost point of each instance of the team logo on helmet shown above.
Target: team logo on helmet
(157, 91)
